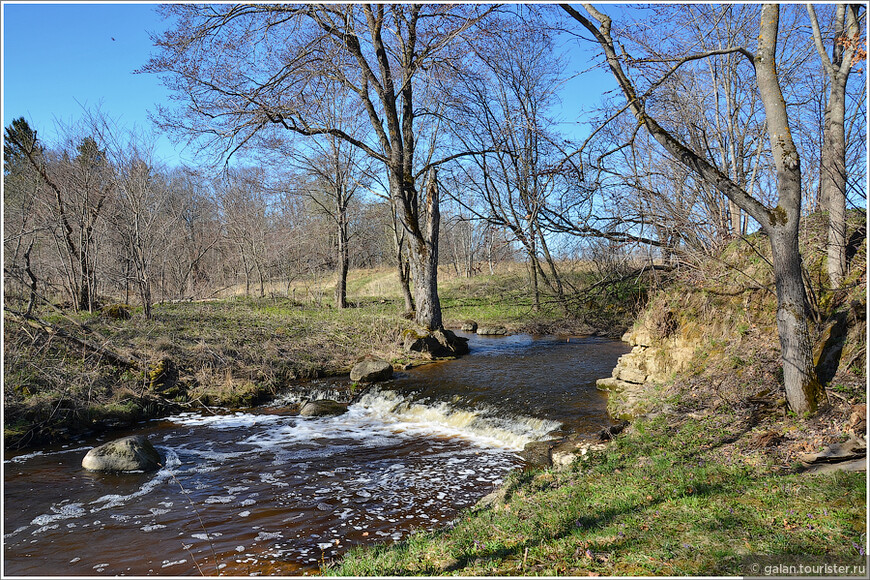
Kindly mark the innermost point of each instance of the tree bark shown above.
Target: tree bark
(803, 390)
(832, 177)
(833, 182)
(343, 259)
(403, 267)
(424, 262)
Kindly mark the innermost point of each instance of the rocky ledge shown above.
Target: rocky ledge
(650, 361)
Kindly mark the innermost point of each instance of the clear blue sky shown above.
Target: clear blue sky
(59, 59)
(62, 58)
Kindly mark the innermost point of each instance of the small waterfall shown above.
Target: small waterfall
(314, 391)
(475, 421)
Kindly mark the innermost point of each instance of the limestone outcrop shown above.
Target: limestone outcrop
(657, 353)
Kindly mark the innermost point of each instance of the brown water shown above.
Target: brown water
(264, 491)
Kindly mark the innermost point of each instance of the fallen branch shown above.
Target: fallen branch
(112, 356)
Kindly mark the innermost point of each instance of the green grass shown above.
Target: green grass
(656, 502)
(233, 353)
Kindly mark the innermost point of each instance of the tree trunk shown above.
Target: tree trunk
(802, 388)
(833, 180)
(343, 259)
(536, 292)
(85, 300)
(404, 268)
(782, 224)
(734, 211)
(424, 262)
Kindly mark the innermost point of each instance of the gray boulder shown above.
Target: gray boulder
(134, 453)
(322, 408)
(437, 343)
(491, 331)
(371, 371)
(469, 326)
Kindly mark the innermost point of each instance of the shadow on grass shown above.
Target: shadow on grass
(572, 524)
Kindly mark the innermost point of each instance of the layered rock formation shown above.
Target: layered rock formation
(657, 353)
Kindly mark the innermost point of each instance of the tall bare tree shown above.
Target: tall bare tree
(781, 223)
(243, 68)
(81, 182)
(845, 44)
(505, 110)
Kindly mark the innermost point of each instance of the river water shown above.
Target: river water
(264, 491)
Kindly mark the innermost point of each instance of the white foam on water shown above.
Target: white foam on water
(235, 421)
(60, 513)
(480, 426)
(220, 499)
(162, 476)
(314, 393)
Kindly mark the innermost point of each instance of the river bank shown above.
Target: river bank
(714, 475)
(232, 353)
(269, 491)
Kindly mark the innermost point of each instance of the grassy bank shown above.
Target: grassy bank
(658, 501)
(229, 353)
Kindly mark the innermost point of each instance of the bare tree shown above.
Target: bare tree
(244, 204)
(22, 189)
(781, 223)
(386, 56)
(141, 214)
(504, 111)
(81, 182)
(190, 261)
(832, 187)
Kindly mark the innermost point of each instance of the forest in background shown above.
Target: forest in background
(410, 136)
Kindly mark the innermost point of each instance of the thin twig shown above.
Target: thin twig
(201, 523)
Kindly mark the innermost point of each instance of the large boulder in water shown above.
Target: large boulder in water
(322, 408)
(371, 371)
(134, 453)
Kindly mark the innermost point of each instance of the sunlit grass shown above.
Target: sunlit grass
(654, 503)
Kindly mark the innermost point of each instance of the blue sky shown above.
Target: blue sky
(64, 58)
(60, 59)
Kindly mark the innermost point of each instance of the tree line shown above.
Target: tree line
(404, 133)
(85, 223)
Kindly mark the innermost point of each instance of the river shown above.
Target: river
(264, 491)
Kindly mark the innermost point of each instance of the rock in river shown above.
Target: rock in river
(492, 331)
(134, 453)
(371, 371)
(322, 408)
